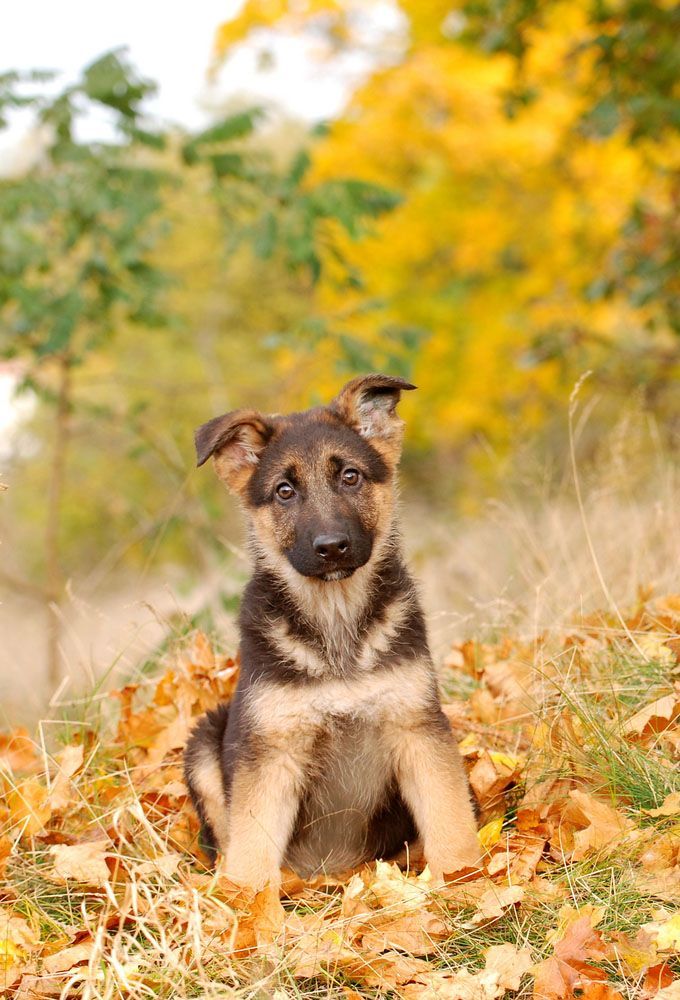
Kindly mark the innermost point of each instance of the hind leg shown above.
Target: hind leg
(204, 776)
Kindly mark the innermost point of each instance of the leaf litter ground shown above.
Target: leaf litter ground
(572, 744)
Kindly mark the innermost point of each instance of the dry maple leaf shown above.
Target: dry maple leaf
(414, 933)
(392, 887)
(491, 775)
(654, 717)
(67, 958)
(495, 901)
(18, 753)
(556, 977)
(68, 761)
(84, 863)
(387, 971)
(637, 954)
(669, 807)
(604, 826)
(599, 991)
(665, 933)
(18, 941)
(29, 806)
(459, 985)
(508, 963)
(319, 945)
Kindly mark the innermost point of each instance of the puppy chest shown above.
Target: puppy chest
(347, 781)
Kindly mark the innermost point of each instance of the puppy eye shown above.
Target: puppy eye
(351, 477)
(285, 491)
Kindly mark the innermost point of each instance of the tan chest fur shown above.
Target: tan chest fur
(280, 712)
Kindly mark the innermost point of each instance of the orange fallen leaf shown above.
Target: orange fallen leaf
(489, 776)
(556, 977)
(84, 863)
(391, 887)
(29, 806)
(669, 807)
(654, 717)
(604, 829)
(267, 915)
(388, 971)
(18, 752)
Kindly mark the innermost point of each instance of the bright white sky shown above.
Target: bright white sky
(171, 43)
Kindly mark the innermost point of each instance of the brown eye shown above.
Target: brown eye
(285, 491)
(351, 477)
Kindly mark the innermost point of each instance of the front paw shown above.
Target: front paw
(248, 873)
(462, 857)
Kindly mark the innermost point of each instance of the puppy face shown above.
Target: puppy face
(317, 486)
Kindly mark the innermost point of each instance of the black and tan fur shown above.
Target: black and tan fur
(334, 749)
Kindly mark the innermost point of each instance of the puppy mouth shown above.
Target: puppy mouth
(337, 574)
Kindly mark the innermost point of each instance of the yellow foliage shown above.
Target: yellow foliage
(507, 221)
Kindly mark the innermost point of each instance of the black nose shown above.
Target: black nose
(331, 546)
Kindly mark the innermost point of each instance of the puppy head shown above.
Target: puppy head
(318, 486)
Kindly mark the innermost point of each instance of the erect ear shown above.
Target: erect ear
(368, 404)
(234, 441)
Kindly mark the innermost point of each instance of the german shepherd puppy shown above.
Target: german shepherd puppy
(334, 750)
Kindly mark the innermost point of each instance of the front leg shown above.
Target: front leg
(263, 805)
(433, 783)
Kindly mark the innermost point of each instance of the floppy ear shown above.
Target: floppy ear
(234, 441)
(368, 404)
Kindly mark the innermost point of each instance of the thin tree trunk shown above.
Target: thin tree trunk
(53, 568)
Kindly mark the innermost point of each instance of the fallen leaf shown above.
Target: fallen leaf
(391, 887)
(508, 963)
(605, 827)
(665, 933)
(637, 954)
(461, 985)
(658, 978)
(490, 833)
(669, 807)
(414, 933)
(18, 752)
(267, 915)
(18, 941)
(35, 987)
(670, 992)
(495, 901)
(321, 948)
(164, 864)
(84, 863)
(62, 961)
(490, 777)
(68, 761)
(388, 971)
(5, 854)
(599, 991)
(556, 977)
(656, 716)
(29, 806)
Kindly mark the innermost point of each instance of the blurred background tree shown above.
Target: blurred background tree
(87, 260)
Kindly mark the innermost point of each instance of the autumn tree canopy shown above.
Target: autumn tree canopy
(536, 146)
